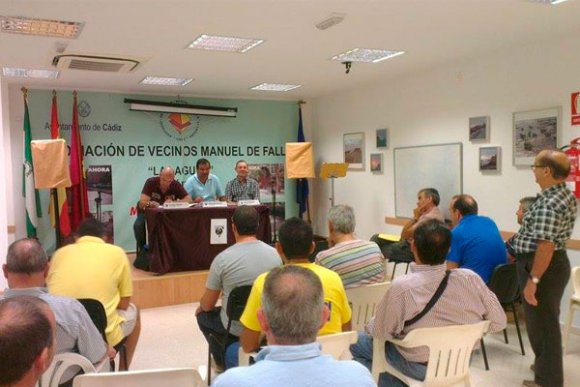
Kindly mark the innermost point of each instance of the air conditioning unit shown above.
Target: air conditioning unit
(94, 63)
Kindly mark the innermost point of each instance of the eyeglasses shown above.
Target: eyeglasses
(537, 166)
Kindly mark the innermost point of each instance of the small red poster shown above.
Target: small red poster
(575, 108)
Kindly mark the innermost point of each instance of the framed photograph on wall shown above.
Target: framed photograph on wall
(479, 129)
(354, 150)
(376, 162)
(534, 131)
(382, 138)
(490, 158)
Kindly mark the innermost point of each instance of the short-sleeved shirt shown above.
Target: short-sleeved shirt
(334, 296)
(476, 244)
(550, 218)
(152, 188)
(91, 268)
(211, 190)
(239, 265)
(236, 190)
(357, 262)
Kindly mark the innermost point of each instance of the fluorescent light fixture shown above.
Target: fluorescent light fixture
(29, 73)
(165, 81)
(40, 27)
(169, 107)
(551, 2)
(366, 55)
(224, 43)
(332, 20)
(274, 87)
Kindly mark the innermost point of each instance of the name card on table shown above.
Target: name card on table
(174, 205)
(215, 204)
(252, 202)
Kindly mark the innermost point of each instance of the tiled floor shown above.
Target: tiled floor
(170, 338)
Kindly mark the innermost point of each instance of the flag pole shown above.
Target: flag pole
(56, 217)
(307, 204)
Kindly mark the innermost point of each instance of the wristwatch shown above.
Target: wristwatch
(534, 279)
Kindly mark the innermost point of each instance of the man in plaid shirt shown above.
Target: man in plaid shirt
(543, 265)
(242, 187)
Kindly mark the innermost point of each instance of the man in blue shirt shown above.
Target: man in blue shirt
(291, 314)
(204, 186)
(476, 243)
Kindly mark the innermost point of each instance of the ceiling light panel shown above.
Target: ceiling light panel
(224, 43)
(275, 87)
(165, 81)
(552, 2)
(40, 27)
(29, 73)
(366, 55)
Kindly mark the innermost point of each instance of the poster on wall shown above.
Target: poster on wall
(535, 131)
(270, 178)
(99, 185)
(575, 108)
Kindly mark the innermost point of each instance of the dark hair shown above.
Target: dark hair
(432, 240)
(91, 227)
(25, 332)
(26, 256)
(295, 236)
(548, 159)
(202, 162)
(292, 301)
(431, 193)
(241, 161)
(465, 204)
(246, 220)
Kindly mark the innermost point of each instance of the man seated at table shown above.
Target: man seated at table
(357, 262)
(295, 246)
(238, 265)
(204, 186)
(156, 191)
(476, 243)
(292, 312)
(242, 187)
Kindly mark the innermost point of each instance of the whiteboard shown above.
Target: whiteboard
(429, 166)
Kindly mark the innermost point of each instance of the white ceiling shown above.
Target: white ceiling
(432, 32)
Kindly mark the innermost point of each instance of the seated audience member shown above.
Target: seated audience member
(238, 265)
(92, 268)
(357, 262)
(523, 208)
(465, 300)
(156, 191)
(476, 243)
(27, 330)
(294, 246)
(204, 186)
(427, 208)
(292, 312)
(242, 187)
(26, 269)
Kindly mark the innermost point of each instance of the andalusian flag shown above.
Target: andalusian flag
(31, 196)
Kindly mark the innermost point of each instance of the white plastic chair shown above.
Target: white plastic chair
(174, 377)
(573, 306)
(363, 302)
(336, 345)
(60, 364)
(449, 353)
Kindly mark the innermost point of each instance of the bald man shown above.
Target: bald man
(543, 265)
(156, 191)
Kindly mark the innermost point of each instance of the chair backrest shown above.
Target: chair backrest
(178, 377)
(97, 313)
(449, 350)
(576, 280)
(236, 303)
(504, 283)
(61, 363)
(337, 344)
(363, 301)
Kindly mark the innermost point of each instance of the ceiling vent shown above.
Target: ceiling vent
(94, 63)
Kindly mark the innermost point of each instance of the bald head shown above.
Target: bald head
(556, 161)
(26, 256)
(465, 204)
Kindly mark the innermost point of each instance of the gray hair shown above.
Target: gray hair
(342, 218)
(527, 201)
(26, 256)
(292, 301)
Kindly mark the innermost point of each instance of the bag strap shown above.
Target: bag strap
(432, 301)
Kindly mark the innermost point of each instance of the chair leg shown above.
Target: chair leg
(569, 317)
(505, 336)
(208, 378)
(394, 268)
(484, 353)
(518, 329)
(407, 269)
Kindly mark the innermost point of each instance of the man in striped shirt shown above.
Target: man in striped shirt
(543, 265)
(357, 262)
(465, 300)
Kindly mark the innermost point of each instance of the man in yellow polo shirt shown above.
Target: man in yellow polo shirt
(92, 268)
(294, 246)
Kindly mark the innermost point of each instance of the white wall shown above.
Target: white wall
(434, 107)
